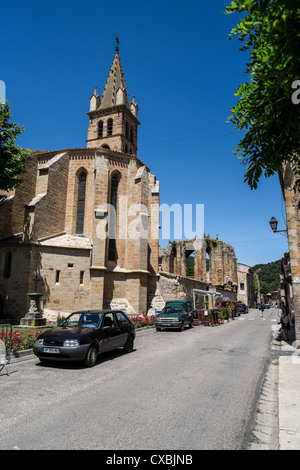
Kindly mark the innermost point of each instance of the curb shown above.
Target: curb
(21, 356)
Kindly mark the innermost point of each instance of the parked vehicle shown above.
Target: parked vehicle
(85, 334)
(176, 314)
(243, 308)
(232, 305)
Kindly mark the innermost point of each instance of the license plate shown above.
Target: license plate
(51, 350)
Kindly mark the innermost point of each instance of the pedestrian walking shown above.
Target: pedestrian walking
(285, 320)
(261, 311)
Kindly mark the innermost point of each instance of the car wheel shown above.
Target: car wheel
(91, 357)
(158, 329)
(181, 328)
(128, 347)
(191, 324)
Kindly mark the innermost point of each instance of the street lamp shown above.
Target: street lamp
(274, 223)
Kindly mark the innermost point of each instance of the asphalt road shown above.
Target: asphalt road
(189, 390)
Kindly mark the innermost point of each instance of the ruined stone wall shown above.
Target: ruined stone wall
(222, 261)
(173, 287)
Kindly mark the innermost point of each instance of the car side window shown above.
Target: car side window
(109, 320)
(122, 319)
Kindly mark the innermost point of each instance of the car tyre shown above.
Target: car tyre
(128, 347)
(91, 357)
(158, 329)
(191, 324)
(181, 328)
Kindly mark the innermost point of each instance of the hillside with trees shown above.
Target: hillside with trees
(268, 275)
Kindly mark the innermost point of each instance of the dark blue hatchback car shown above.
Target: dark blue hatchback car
(85, 334)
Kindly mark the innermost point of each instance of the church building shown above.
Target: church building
(82, 228)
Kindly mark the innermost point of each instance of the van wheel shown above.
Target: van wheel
(91, 357)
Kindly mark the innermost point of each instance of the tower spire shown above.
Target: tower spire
(113, 118)
(115, 90)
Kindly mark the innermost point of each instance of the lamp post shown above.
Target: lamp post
(274, 223)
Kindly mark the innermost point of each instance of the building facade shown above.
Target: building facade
(82, 228)
(245, 292)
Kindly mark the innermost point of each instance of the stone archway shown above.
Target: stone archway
(214, 261)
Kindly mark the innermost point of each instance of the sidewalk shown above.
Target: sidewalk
(289, 395)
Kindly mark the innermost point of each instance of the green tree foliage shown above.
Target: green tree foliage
(270, 33)
(12, 157)
(268, 275)
(190, 262)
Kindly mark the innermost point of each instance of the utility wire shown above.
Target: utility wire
(193, 138)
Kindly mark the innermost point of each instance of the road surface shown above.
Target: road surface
(195, 389)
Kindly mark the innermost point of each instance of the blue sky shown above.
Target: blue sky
(183, 71)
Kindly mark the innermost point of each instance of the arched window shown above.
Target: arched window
(100, 129)
(109, 126)
(113, 218)
(81, 202)
(7, 265)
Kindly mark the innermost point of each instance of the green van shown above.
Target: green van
(175, 314)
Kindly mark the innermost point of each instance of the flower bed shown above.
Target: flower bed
(140, 321)
(21, 339)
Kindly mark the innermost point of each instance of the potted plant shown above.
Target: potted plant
(226, 313)
(220, 315)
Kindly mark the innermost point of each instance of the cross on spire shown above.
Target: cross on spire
(118, 42)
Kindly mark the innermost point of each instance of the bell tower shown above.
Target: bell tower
(113, 118)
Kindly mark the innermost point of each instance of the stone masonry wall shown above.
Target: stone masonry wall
(292, 200)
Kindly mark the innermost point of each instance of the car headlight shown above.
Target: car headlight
(71, 343)
(39, 341)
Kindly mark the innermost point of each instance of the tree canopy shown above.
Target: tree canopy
(268, 275)
(12, 157)
(268, 107)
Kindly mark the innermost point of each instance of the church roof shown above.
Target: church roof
(115, 90)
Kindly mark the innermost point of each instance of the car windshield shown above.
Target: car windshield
(83, 319)
(172, 310)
